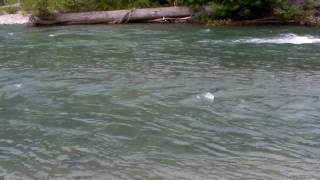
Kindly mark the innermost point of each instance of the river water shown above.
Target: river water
(159, 102)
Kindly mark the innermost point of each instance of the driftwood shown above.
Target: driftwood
(119, 16)
(266, 21)
(171, 20)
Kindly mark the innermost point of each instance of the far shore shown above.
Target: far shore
(174, 14)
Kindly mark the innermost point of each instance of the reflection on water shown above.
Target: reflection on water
(159, 102)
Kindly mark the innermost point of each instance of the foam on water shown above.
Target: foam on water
(206, 41)
(17, 85)
(207, 96)
(282, 39)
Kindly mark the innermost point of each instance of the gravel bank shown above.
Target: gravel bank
(14, 19)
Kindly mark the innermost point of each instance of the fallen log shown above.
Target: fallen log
(170, 20)
(118, 16)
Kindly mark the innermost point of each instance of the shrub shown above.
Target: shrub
(224, 9)
(242, 9)
(288, 12)
(42, 8)
(12, 9)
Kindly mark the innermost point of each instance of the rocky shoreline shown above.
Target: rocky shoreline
(175, 14)
(155, 15)
(11, 19)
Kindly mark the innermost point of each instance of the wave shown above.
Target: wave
(282, 39)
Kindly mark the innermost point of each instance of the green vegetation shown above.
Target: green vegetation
(224, 9)
(286, 11)
(253, 9)
(7, 2)
(10, 7)
(37, 6)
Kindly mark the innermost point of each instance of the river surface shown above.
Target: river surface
(159, 102)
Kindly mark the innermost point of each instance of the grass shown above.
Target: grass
(9, 9)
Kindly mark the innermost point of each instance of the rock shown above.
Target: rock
(14, 19)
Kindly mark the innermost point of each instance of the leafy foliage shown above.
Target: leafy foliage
(238, 9)
(287, 11)
(224, 9)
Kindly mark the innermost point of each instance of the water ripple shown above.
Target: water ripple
(159, 102)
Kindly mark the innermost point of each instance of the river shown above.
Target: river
(159, 102)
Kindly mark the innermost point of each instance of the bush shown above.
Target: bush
(288, 12)
(41, 8)
(242, 9)
(224, 9)
(12, 10)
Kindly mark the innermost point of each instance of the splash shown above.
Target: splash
(206, 97)
(282, 39)
(17, 85)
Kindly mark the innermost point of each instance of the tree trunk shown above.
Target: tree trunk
(118, 16)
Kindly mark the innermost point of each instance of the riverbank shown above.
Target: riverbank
(18, 18)
(174, 14)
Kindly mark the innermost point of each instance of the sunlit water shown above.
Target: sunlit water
(159, 102)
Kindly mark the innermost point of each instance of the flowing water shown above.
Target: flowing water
(159, 102)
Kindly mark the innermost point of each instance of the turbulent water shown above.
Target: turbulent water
(159, 102)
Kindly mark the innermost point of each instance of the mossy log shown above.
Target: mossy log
(118, 16)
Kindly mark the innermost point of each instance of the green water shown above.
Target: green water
(135, 102)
